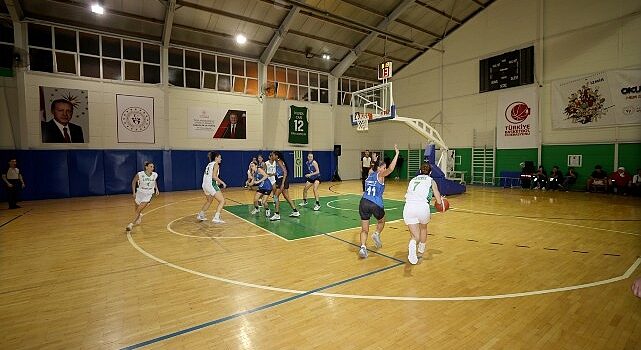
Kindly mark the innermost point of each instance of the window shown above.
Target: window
(200, 70)
(68, 51)
(346, 86)
(297, 84)
(6, 45)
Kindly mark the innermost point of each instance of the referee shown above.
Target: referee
(367, 163)
(13, 179)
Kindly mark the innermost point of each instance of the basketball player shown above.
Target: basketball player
(372, 203)
(250, 173)
(313, 179)
(211, 180)
(147, 186)
(281, 186)
(416, 212)
(264, 189)
(270, 168)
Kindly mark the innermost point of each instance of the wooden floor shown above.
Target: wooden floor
(505, 269)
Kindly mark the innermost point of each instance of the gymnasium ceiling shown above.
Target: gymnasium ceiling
(314, 27)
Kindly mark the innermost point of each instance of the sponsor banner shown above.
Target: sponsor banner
(517, 118)
(135, 119)
(208, 122)
(597, 100)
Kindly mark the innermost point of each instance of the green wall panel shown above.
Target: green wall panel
(403, 169)
(509, 159)
(466, 162)
(630, 156)
(602, 154)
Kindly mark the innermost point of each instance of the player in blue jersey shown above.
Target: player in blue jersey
(372, 202)
(261, 180)
(313, 179)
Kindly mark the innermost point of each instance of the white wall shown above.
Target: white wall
(8, 112)
(180, 99)
(102, 131)
(579, 37)
(276, 125)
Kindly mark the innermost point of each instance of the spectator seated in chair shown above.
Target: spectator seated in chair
(526, 176)
(539, 181)
(556, 178)
(621, 181)
(598, 180)
(570, 179)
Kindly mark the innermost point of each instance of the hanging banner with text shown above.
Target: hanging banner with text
(298, 125)
(598, 100)
(209, 122)
(517, 118)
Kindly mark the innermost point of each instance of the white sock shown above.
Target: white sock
(217, 216)
(421, 248)
(201, 213)
(376, 233)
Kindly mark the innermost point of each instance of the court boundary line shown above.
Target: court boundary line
(542, 220)
(626, 275)
(15, 218)
(202, 237)
(256, 309)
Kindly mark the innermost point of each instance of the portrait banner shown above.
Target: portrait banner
(135, 119)
(64, 115)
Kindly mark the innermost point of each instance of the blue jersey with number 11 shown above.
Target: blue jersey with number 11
(374, 189)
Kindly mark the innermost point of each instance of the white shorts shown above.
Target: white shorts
(272, 179)
(416, 213)
(143, 197)
(210, 190)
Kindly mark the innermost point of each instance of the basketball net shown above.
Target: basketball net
(362, 122)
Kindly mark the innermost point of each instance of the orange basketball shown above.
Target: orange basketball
(441, 208)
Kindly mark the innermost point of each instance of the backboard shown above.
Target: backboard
(376, 103)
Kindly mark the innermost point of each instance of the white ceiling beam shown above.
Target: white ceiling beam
(15, 10)
(351, 57)
(279, 35)
(169, 21)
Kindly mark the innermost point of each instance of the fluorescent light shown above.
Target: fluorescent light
(241, 39)
(96, 8)
(326, 56)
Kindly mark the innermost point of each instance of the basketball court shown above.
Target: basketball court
(508, 266)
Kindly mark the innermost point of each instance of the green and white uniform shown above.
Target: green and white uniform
(146, 187)
(209, 184)
(417, 200)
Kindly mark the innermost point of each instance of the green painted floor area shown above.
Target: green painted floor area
(337, 213)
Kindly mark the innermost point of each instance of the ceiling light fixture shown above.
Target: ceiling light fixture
(241, 39)
(326, 56)
(96, 8)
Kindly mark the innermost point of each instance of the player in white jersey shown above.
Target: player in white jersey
(147, 186)
(416, 212)
(211, 182)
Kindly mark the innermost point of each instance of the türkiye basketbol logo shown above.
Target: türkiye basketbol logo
(517, 112)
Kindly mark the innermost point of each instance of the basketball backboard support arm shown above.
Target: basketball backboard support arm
(427, 131)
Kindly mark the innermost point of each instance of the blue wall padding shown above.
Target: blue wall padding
(87, 173)
(76, 173)
(52, 178)
(183, 170)
(120, 168)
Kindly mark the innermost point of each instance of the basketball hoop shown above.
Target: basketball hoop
(362, 121)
